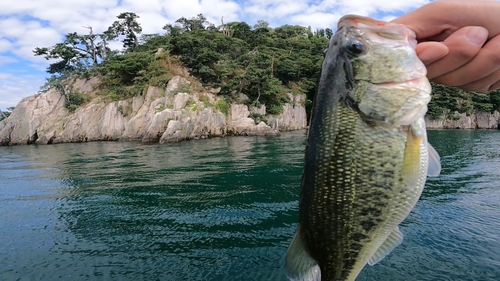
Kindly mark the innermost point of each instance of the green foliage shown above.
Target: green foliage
(261, 24)
(190, 103)
(153, 42)
(495, 100)
(118, 92)
(222, 106)
(76, 53)
(260, 62)
(206, 101)
(55, 82)
(75, 99)
(257, 118)
(448, 100)
(64, 85)
(181, 88)
(126, 26)
(160, 108)
(6, 113)
(123, 70)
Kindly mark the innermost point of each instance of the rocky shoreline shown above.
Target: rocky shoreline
(168, 115)
(477, 120)
(158, 116)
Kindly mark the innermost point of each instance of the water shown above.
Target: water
(223, 209)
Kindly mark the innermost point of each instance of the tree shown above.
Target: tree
(241, 30)
(77, 52)
(122, 70)
(5, 114)
(127, 26)
(183, 24)
(320, 32)
(261, 24)
(495, 99)
(328, 33)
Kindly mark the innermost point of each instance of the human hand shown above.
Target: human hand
(459, 42)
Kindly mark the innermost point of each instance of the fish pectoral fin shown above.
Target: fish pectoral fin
(298, 263)
(393, 240)
(434, 168)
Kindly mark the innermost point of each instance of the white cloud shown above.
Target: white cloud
(5, 45)
(215, 9)
(26, 24)
(317, 20)
(15, 87)
(7, 60)
(276, 9)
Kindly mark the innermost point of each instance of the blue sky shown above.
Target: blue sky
(26, 24)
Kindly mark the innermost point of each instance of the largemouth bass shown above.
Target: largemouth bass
(367, 156)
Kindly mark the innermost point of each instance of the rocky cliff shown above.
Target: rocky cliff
(159, 115)
(478, 120)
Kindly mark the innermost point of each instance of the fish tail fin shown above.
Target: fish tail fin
(299, 265)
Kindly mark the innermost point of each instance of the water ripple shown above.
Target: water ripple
(223, 209)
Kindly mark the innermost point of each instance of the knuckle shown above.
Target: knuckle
(494, 87)
(465, 54)
(475, 88)
(493, 54)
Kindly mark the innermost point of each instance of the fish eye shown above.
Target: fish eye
(355, 47)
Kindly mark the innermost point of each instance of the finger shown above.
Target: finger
(429, 52)
(463, 45)
(441, 18)
(495, 86)
(429, 20)
(481, 72)
(485, 84)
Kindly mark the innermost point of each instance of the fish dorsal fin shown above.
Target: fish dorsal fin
(434, 168)
(298, 264)
(393, 240)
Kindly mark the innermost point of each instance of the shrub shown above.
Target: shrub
(257, 118)
(222, 106)
(182, 88)
(206, 101)
(75, 99)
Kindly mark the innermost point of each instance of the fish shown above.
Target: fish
(367, 156)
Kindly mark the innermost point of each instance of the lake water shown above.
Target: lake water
(223, 209)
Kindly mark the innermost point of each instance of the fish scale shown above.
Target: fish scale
(367, 154)
(358, 192)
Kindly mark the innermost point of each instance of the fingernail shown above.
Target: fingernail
(427, 56)
(477, 35)
(429, 52)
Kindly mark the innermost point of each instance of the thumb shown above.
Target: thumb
(429, 52)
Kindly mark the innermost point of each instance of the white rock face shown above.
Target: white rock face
(294, 115)
(158, 116)
(478, 120)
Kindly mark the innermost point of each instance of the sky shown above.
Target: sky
(26, 24)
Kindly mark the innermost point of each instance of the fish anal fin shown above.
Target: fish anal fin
(434, 168)
(393, 240)
(298, 263)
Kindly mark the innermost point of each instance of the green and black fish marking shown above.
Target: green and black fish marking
(367, 155)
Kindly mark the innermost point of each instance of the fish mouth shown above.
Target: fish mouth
(414, 83)
(385, 30)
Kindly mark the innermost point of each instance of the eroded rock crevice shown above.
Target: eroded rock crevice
(160, 115)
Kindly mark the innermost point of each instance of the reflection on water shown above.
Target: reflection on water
(222, 209)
